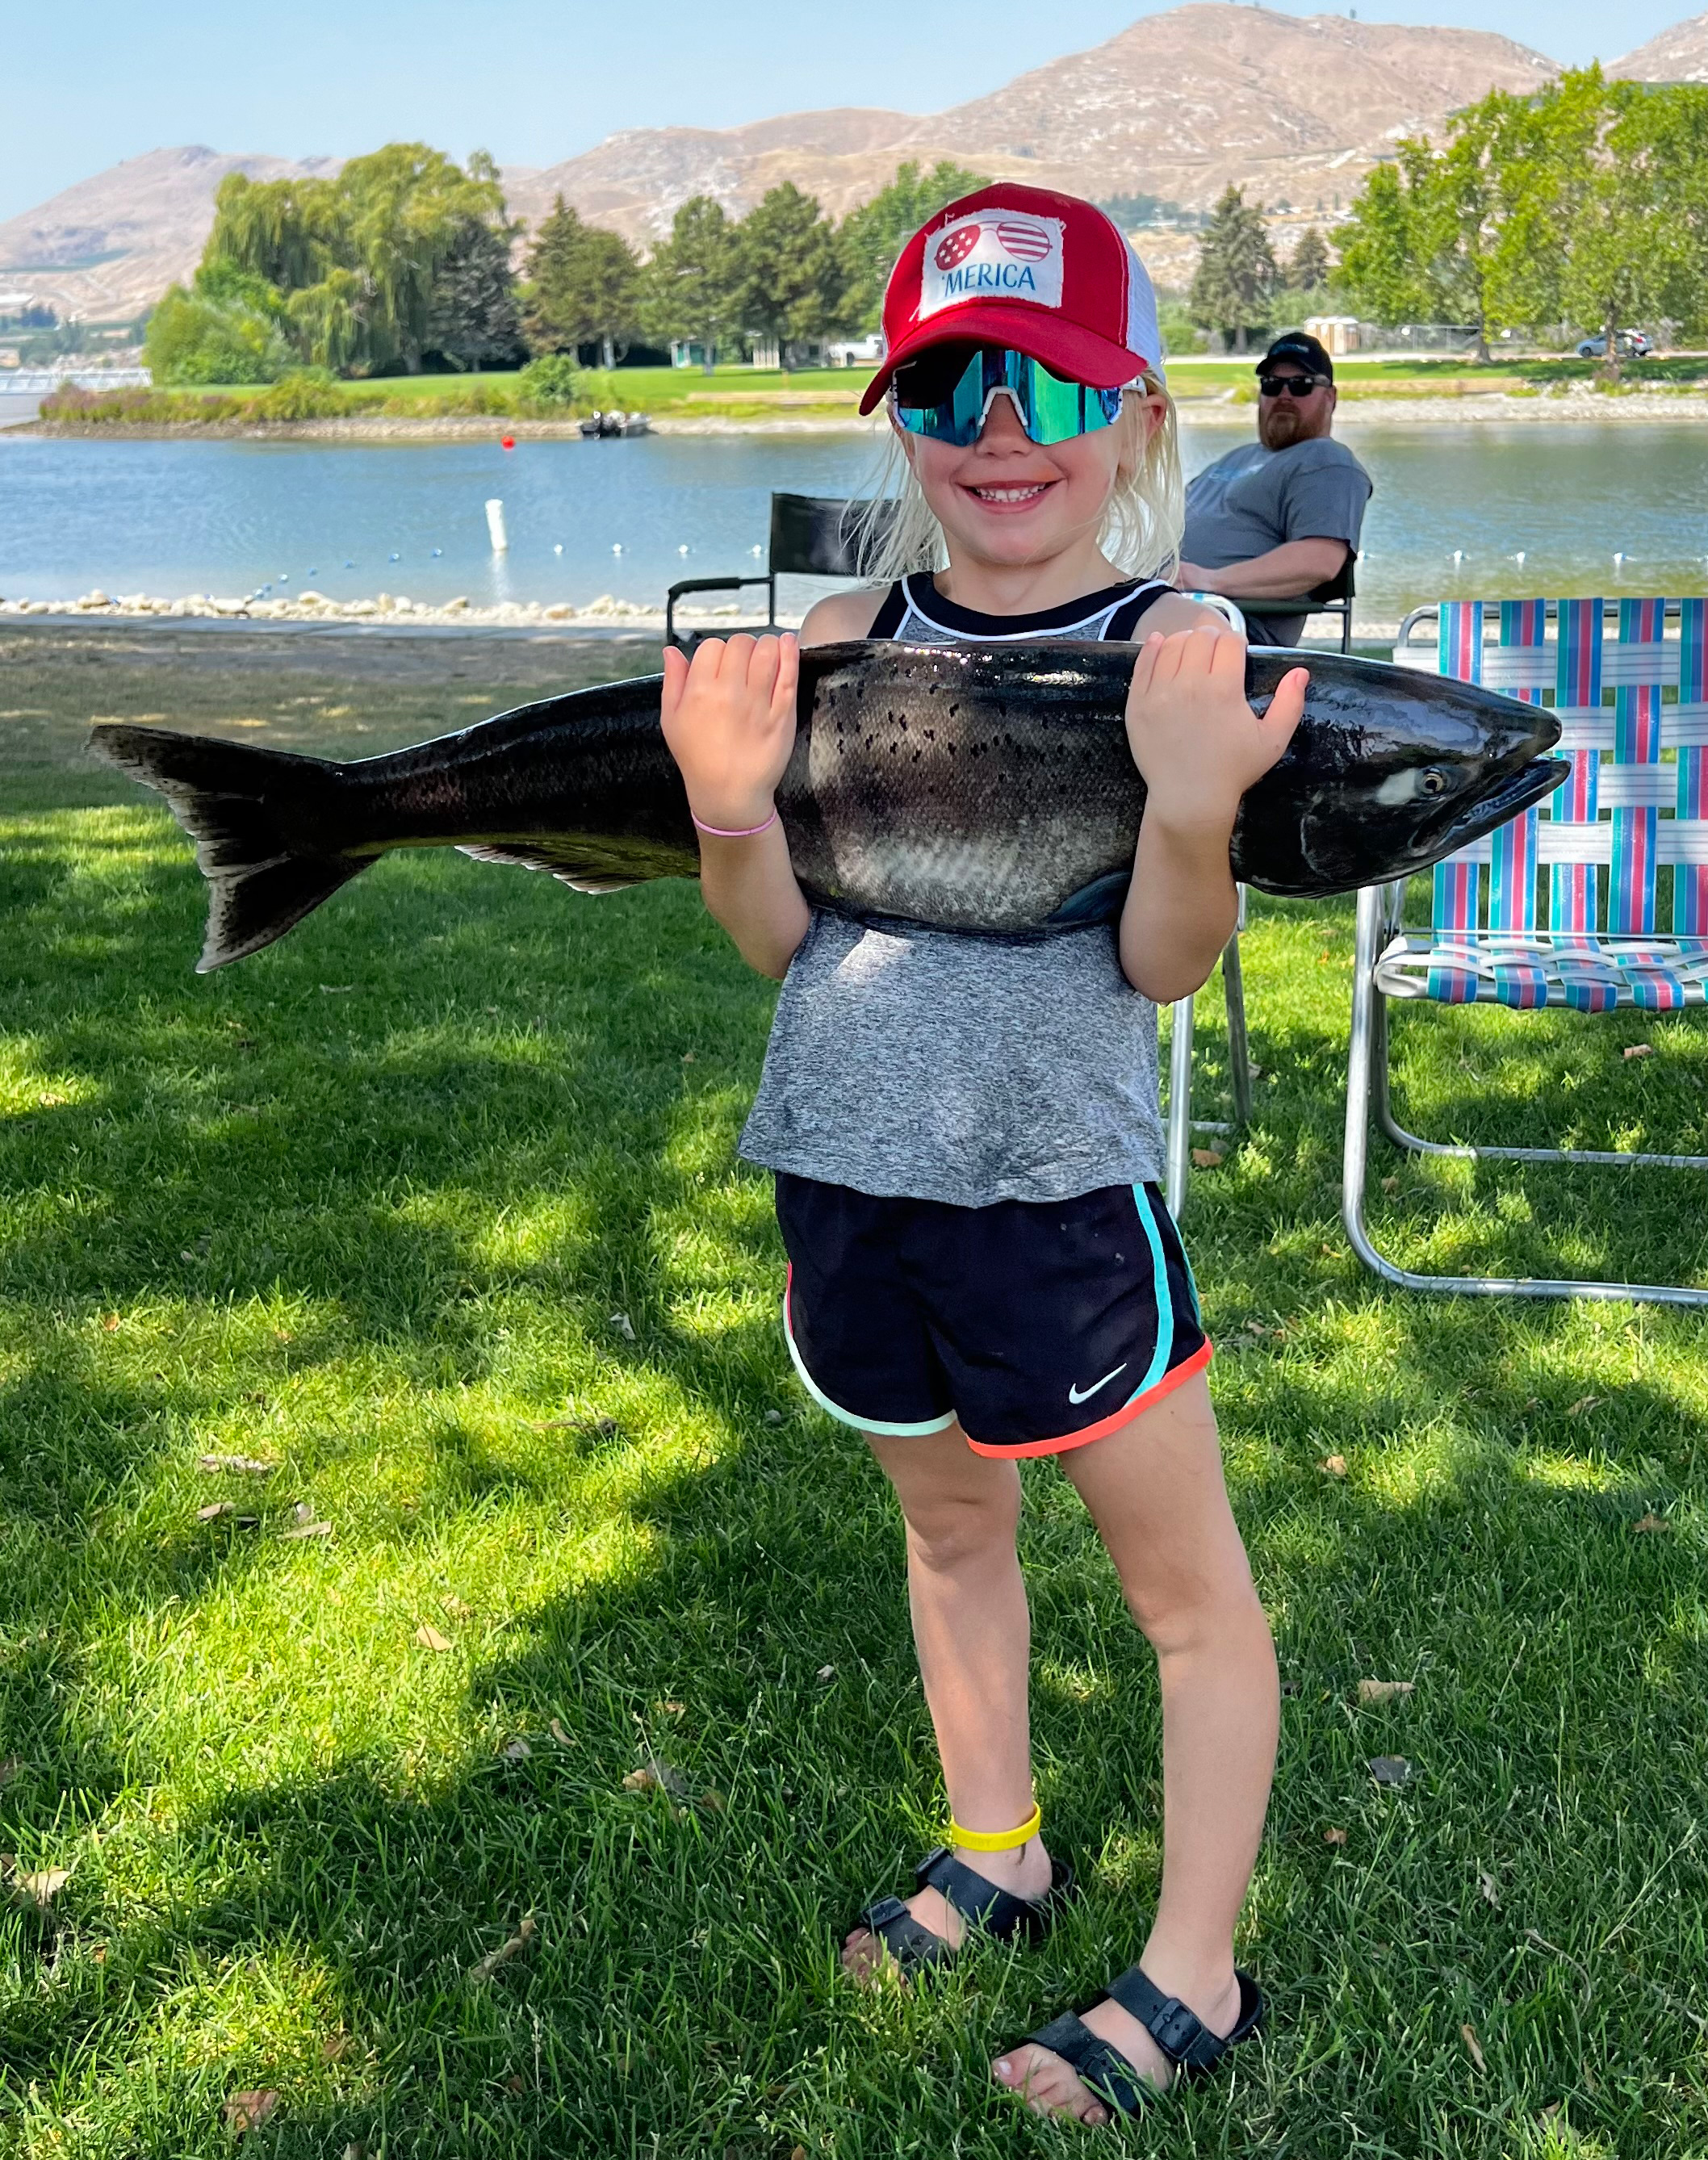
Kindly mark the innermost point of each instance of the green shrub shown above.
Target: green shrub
(480, 399)
(191, 339)
(307, 393)
(71, 407)
(553, 380)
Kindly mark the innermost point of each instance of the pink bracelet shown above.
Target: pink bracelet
(740, 832)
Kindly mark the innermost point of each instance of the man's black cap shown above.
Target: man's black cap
(1299, 345)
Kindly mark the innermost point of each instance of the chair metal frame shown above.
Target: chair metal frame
(1334, 596)
(1181, 1124)
(810, 537)
(1513, 963)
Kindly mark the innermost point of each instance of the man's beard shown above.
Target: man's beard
(1281, 426)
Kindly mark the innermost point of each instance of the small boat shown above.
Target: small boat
(600, 425)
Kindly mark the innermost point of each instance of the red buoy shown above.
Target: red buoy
(510, 442)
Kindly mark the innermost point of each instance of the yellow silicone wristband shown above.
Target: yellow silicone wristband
(996, 1840)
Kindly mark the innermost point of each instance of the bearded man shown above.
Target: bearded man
(1277, 520)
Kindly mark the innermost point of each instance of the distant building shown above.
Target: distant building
(1337, 333)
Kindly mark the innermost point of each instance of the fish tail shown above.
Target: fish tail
(248, 810)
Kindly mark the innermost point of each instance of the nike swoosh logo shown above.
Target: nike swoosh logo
(1085, 1395)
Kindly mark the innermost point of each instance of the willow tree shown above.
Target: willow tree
(361, 266)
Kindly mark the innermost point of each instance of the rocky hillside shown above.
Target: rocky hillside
(107, 247)
(1294, 108)
(1680, 55)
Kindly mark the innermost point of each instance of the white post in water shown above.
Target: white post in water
(494, 525)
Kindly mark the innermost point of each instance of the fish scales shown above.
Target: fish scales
(983, 789)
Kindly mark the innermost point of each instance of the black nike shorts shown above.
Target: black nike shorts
(1038, 1326)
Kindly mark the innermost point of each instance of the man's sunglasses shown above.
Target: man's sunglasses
(946, 393)
(1295, 386)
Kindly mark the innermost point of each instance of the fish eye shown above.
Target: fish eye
(1432, 780)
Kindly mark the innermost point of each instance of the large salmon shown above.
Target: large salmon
(980, 788)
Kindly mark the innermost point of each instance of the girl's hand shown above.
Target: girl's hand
(1195, 739)
(728, 717)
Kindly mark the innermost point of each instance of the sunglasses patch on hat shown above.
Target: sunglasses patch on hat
(993, 255)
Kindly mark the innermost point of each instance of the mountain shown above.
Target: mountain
(1295, 109)
(1680, 55)
(109, 246)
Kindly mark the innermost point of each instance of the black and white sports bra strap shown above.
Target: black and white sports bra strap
(890, 611)
(1125, 620)
(913, 607)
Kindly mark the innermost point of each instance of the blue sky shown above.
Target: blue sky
(534, 82)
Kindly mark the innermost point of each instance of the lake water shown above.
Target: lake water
(627, 517)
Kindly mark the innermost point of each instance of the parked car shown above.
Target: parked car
(1628, 345)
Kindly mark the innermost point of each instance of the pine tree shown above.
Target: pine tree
(870, 238)
(472, 322)
(584, 287)
(791, 282)
(1308, 270)
(1236, 273)
(693, 283)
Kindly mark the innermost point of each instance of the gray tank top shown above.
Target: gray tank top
(939, 1066)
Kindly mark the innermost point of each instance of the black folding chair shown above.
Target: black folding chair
(1335, 598)
(811, 535)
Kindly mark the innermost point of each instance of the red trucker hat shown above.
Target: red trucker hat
(1047, 273)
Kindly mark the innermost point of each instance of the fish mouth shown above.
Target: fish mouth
(1527, 786)
(1337, 862)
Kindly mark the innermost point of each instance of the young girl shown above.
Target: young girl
(965, 1132)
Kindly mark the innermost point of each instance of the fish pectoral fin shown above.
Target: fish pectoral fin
(569, 865)
(1100, 901)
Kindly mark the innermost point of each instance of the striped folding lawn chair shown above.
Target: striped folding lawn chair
(1597, 847)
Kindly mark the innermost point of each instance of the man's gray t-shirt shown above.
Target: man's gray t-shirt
(1253, 499)
(919, 1063)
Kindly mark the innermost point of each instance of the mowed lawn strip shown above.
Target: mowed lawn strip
(520, 1810)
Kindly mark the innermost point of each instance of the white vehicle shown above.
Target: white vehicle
(1628, 345)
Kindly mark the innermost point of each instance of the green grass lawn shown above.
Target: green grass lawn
(736, 393)
(364, 1208)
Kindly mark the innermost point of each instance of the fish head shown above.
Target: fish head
(1414, 767)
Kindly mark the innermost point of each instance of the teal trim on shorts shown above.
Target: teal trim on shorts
(847, 1417)
(1164, 1304)
(1192, 1281)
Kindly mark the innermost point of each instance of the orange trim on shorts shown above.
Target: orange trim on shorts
(1128, 1411)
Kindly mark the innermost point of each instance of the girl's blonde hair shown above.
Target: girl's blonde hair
(895, 532)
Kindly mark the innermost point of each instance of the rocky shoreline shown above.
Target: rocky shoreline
(1578, 404)
(605, 617)
(389, 611)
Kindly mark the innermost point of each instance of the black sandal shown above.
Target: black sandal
(1193, 2050)
(985, 1906)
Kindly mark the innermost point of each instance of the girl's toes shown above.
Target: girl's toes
(1047, 2085)
(863, 1957)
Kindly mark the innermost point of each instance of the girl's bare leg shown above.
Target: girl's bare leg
(1155, 1491)
(973, 1636)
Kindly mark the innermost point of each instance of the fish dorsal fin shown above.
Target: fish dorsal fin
(562, 860)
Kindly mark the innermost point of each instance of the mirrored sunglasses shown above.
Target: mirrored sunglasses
(946, 393)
